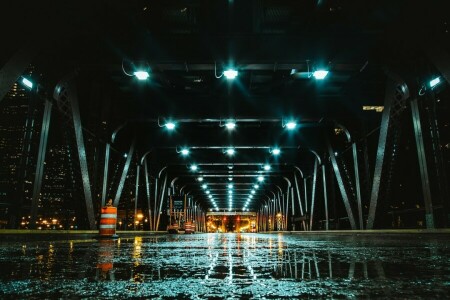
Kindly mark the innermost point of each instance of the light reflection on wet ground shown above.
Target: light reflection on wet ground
(229, 266)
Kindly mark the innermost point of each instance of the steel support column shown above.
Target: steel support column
(396, 90)
(357, 185)
(293, 210)
(422, 164)
(148, 194)
(161, 201)
(154, 204)
(299, 200)
(40, 162)
(105, 173)
(66, 94)
(340, 181)
(313, 193)
(126, 167)
(325, 196)
(136, 193)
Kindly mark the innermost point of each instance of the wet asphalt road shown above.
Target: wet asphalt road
(229, 266)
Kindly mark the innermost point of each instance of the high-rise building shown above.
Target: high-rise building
(19, 126)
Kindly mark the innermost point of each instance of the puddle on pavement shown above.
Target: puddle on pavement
(229, 266)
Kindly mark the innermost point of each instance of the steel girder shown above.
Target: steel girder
(422, 164)
(396, 94)
(40, 161)
(124, 173)
(66, 96)
(341, 185)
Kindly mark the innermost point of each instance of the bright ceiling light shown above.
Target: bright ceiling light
(200, 179)
(230, 178)
(230, 186)
(184, 151)
(435, 82)
(230, 192)
(291, 125)
(276, 151)
(207, 192)
(170, 125)
(230, 73)
(141, 75)
(194, 167)
(253, 191)
(260, 178)
(256, 186)
(27, 83)
(320, 74)
(266, 167)
(230, 125)
(230, 151)
(204, 186)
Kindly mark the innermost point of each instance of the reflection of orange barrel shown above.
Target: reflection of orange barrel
(108, 220)
(188, 227)
(105, 258)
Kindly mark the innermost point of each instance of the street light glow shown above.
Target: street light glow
(170, 125)
(320, 74)
(141, 75)
(230, 73)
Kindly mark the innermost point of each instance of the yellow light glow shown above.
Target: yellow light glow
(140, 216)
(373, 107)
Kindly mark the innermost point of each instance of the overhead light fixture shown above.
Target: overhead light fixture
(204, 186)
(320, 74)
(125, 155)
(266, 167)
(170, 125)
(200, 179)
(260, 178)
(435, 82)
(230, 186)
(230, 178)
(253, 191)
(27, 83)
(230, 192)
(256, 186)
(184, 151)
(194, 167)
(230, 125)
(230, 73)
(141, 75)
(291, 125)
(230, 151)
(276, 151)
(207, 192)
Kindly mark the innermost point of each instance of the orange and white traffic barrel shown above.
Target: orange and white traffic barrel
(188, 227)
(108, 219)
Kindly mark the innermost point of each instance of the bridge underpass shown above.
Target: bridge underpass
(304, 142)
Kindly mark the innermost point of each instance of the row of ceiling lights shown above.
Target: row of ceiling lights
(229, 74)
(230, 125)
(230, 196)
(231, 151)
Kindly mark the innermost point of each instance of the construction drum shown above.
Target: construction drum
(188, 227)
(108, 220)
